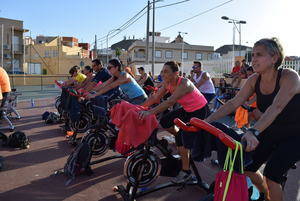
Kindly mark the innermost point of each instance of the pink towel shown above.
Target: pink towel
(132, 130)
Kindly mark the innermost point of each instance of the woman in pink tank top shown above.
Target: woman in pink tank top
(193, 103)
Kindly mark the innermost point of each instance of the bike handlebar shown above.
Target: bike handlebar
(198, 124)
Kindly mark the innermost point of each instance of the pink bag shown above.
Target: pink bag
(229, 185)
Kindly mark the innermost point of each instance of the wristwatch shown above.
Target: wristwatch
(254, 131)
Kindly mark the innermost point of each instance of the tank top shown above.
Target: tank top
(192, 101)
(289, 115)
(132, 89)
(207, 87)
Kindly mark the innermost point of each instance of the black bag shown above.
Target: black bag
(170, 167)
(78, 162)
(45, 115)
(52, 118)
(3, 138)
(18, 140)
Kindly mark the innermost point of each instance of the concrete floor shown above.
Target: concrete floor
(28, 174)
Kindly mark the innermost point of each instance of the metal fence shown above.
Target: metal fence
(30, 83)
(216, 68)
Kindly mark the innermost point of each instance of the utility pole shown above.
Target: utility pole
(12, 54)
(153, 33)
(147, 33)
(2, 27)
(30, 44)
(58, 44)
(12, 49)
(95, 47)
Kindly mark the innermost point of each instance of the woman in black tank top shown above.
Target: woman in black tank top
(275, 137)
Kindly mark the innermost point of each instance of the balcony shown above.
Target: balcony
(18, 49)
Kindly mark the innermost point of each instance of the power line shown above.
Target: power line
(172, 4)
(125, 24)
(124, 27)
(206, 11)
(132, 20)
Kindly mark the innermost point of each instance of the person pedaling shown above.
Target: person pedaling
(133, 92)
(273, 139)
(145, 81)
(193, 103)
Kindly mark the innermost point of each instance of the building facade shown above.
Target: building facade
(55, 55)
(12, 45)
(177, 50)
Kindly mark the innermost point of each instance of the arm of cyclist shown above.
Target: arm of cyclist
(202, 80)
(184, 87)
(143, 79)
(155, 98)
(231, 105)
(111, 84)
(252, 100)
(289, 87)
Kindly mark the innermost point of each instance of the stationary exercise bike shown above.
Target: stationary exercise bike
(144, 166)
(195, 125)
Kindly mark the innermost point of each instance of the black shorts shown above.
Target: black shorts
(167, 121)
(279, 153)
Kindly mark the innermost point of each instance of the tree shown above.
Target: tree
(118, 52)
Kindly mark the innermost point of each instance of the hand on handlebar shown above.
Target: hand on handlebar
(251, 141)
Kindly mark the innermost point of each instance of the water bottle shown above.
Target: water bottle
(32, 102)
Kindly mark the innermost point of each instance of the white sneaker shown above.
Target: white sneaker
(182, 177)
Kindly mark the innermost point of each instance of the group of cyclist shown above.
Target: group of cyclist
(273, 138)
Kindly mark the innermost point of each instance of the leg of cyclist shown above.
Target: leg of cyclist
(261, 154)
(167, 122)
(286, 153)
(258, 180)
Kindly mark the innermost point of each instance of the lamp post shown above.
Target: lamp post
(113, 30)
(234, 22)
(182, 49)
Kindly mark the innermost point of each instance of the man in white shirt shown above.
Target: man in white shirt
(203, 82)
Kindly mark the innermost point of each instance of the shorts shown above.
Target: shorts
(278, 154)
(167, 121)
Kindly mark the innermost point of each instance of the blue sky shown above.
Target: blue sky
(84, 19)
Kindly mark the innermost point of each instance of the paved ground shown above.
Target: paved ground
(28, 174)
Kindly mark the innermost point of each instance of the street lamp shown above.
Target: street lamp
(182, 48)
(113, 30)
(234, 22)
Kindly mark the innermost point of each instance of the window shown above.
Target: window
(51, 53)
(198, 56)
(184, 55)
(47, 53)
(34, 68)
(140, 53)
(169, 54)
(16, 42)
(209, 56)
(158, 53)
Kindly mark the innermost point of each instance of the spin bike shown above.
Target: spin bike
(195, 125)
(145, 166)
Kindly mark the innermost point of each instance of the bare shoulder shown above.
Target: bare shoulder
(185, 82)
(290, 79)
(252, 79)
(288, 73)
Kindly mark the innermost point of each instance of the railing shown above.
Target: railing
(26, 83)
(216, 68)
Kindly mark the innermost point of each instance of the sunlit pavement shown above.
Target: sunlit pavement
(28, 174)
